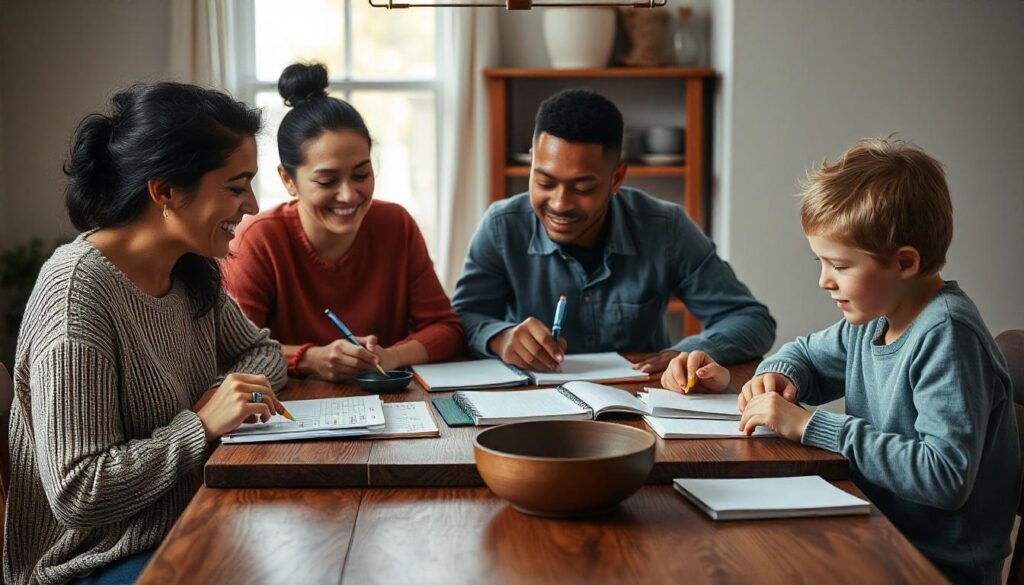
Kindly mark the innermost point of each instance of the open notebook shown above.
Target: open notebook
(769, 497)
(492, 373)
(570, 401)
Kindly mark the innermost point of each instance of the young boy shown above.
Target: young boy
(929, 428)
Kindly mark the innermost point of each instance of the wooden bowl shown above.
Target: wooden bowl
(564, 468)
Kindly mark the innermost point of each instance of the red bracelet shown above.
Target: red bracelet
(293, 362)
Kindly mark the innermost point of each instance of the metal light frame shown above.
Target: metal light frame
(517, 4)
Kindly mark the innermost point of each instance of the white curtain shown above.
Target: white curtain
(470, 45)
(203, 43)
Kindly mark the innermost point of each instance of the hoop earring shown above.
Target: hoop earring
(166, 213)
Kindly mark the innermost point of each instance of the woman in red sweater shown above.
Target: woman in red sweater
(336, 248)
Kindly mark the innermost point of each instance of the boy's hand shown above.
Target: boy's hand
(774, 412)
(766, 384)
(690, 369)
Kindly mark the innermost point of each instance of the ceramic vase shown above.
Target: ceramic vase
(579, 38)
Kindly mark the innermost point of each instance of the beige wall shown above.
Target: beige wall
(62, 60)
(808, 78)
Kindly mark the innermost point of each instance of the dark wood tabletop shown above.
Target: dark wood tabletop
(467, 535)
(448, 460)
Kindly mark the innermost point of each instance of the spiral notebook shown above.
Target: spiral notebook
(570, 401)
(607, 367)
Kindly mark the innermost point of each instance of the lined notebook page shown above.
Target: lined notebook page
(591, 367)
(603, 398)
(490, 407)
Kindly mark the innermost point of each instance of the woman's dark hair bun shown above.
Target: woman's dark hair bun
(301, 82)
(89, 171)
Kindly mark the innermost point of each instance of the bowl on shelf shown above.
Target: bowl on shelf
(662, 159)
(374, 381)
(665, 139)
(524, 158)
(564, 468)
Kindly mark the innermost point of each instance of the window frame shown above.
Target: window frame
(247, 85)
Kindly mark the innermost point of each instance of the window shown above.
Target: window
(382, 62)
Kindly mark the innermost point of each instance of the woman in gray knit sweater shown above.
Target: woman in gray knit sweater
(131, 360)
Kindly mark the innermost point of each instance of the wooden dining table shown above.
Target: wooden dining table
(447, 460)
(413, 511)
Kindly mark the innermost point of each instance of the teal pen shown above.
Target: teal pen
(556, 327)
(348, 334)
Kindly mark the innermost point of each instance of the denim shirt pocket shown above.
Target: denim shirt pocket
(638, 323)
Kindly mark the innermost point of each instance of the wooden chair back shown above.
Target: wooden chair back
(1011, 343)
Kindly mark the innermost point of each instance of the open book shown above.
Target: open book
(570, 401)
(591, 367)
(398, 419)
(770, 497)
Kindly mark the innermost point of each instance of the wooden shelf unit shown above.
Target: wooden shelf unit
(635, 170)
(697, 87)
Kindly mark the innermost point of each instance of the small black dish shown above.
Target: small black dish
(376, 382)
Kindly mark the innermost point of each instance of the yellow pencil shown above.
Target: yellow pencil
(690, 383)
(284, 412)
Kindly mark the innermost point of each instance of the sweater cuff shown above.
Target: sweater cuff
(780, 367)
(187, 430)
(824, 430)
(486, 333)
(441, 341)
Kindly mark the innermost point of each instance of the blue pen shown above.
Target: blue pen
(348, 334)
(556, 327)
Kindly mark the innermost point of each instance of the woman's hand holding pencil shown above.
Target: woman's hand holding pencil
(342, 359)
(368, 344)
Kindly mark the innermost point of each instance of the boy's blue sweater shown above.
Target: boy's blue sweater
(929, 429)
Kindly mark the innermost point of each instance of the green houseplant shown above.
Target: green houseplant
(19, 268)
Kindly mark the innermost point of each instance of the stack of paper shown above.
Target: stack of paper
(699, 428)
(669, 404)
(694, 416)
(770, 497)
(357, 416)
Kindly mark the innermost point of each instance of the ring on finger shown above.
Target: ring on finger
(257, 397)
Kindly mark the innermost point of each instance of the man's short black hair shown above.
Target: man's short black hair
(581, 115)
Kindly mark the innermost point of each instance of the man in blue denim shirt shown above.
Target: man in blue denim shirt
(616, 253)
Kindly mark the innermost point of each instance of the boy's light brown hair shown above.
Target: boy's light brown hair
(880, 195)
